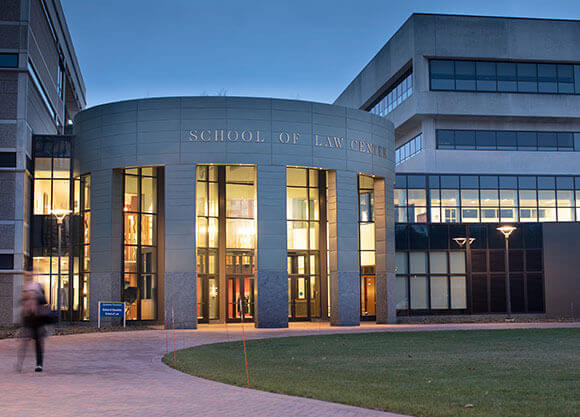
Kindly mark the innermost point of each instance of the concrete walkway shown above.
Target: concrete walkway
(121, 374)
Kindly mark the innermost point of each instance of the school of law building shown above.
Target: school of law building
(381, 206)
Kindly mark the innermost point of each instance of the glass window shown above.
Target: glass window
(42, 168)
(547, 79)
(489, 198)
(442, 74)
(486, 76)
(528, 183)
(416, 198)
(61, 168)
(565, 183)
(528, 198)
(547, 141)
(401, 298)
(240, 201)
(565, 79)
(241, 234)
(457, 262)
(469, 198)
(240, 174)
(416, 181)
(418, 262)
(445, 139)
(506, 140)
(296, 177)
(565, 141)
(488, 181)
(401, 262)
(449, 181)
(527, 141)
(465, 75)
(547, 198)
(433, 181)
(527, 78)
(469, 181)
(506, 77)
(149, 195)
(439, 293)
(449, 198)
(418, 292)
(438, 262)
(485, 139)
(509, 182)
(508, 198)
(9, 60)
(577, 79)
(458, 292)
(464, 139)
(400, 197)
(546, 183)
(400, 181)
(367, 236)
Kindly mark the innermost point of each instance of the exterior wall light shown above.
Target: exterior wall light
(507, 230)
(60, 214)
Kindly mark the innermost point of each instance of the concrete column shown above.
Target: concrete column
(272, 275)
(343, 248)
(180, 277)
(385, 252)
(106, 239)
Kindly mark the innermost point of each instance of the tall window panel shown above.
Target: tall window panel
(140, 242)
(240, 237)
(207, 228)
(304, 213)
(226, 242)
(366, 198)
(53, 192)
(394, 96)
(82, 242)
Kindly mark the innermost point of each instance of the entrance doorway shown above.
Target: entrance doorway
(368, 296)
(240, 289)
(303, 297)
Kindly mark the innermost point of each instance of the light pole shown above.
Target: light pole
(507, 230)
(60, 215)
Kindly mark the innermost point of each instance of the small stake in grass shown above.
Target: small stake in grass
(173, 327)
(241, 307)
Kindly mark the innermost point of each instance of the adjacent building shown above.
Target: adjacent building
(487, 130)
(381, 206)
(41, 90)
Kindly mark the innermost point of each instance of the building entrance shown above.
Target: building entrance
(240, 298)
(303, 297)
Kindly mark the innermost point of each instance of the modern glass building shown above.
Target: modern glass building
(382, 206)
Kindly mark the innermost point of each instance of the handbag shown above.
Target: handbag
(45, 315)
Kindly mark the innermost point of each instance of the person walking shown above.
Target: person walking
(33, 304)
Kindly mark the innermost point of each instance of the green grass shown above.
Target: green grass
(499, 372)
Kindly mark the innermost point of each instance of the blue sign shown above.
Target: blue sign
(111, 309)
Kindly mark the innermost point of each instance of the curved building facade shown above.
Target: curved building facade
(214, 209)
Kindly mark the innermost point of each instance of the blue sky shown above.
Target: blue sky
(301, 49)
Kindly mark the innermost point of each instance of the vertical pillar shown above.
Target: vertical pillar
(272, 274)
(343, 248)
(106, 239)
(385, 253)
(180, 275)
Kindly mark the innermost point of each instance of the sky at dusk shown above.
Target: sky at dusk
(309, 50)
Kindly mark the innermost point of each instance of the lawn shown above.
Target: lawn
(447, 373)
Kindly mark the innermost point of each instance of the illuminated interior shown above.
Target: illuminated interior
(225, 242)
(140, 243)
(366, 195)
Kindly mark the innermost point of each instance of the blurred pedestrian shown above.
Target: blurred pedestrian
(35, 314)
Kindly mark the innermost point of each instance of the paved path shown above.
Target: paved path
(120, 374)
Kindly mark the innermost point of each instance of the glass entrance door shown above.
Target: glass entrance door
(240, 289)
(368, 296)
(303, 297)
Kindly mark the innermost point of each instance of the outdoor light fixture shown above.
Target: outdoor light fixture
(461, 241)
(60, 214)
(507, 230)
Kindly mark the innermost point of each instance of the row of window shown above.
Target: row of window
(394, 96)
(409, 149)
(7, 159)
(491, 76)
(508, 140)
(484, 199)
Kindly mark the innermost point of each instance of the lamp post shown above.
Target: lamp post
(60, 215)
(507, 230)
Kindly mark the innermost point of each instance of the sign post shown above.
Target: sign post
(111, 309)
